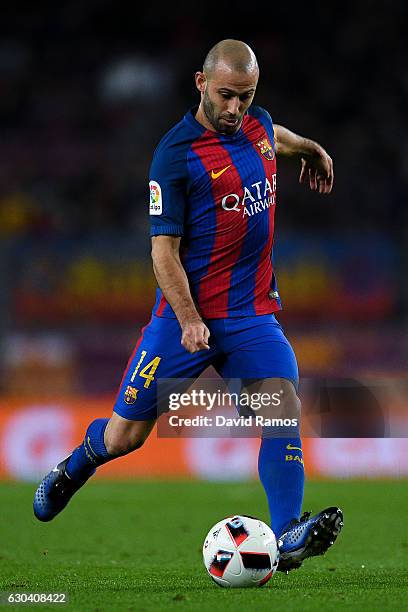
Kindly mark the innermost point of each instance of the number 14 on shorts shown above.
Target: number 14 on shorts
(147, 371)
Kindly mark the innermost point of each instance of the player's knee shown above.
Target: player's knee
(281, 400)
(296, 407)
(291, 406)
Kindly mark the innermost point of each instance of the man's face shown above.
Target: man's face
(226, 95)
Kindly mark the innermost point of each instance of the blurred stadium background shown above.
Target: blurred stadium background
(87, 91)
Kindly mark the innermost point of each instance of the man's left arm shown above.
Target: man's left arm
(316, 162)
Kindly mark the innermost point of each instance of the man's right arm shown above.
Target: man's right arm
(172, 280)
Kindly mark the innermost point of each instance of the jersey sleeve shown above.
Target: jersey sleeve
(168, 188)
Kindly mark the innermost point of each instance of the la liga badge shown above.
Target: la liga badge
(156, 202)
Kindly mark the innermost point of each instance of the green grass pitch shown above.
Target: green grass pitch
(137, 546)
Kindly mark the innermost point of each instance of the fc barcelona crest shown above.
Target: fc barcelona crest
(266, 148)
(130, 394)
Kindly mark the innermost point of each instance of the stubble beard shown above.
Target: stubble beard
(210, 113)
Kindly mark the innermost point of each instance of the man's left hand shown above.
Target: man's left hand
(319, 168)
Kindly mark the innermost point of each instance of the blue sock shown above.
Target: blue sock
(281, 470)
(90, 454)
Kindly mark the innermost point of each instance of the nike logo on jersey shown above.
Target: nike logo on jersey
(290, 447)
(215, 175)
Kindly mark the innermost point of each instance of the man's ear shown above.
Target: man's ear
(200, 81)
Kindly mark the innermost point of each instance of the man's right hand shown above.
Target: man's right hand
(195, 336)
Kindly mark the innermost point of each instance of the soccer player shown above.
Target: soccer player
(212, 205)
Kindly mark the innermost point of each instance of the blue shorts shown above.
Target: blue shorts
(240, 347)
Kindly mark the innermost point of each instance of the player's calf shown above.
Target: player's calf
(123, 436)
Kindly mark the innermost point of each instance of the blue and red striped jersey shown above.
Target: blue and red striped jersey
(218, 192)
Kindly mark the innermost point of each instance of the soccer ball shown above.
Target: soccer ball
(240, 551)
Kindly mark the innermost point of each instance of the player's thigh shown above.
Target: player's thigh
(261, 360)
(158, 355)
(256, 347)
